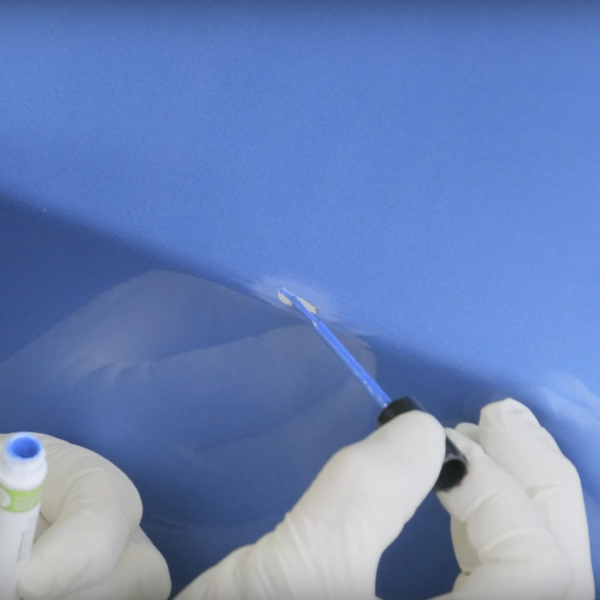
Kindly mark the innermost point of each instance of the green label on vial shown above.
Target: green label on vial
(16, 502)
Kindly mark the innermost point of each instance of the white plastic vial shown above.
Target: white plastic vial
(23, 469)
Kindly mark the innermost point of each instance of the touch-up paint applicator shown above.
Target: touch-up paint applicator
(454, 467)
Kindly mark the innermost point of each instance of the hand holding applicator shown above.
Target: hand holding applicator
(455, 463)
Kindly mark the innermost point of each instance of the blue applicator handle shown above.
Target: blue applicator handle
(455, 463)
(327, 336)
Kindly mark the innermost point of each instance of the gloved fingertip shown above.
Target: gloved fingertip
(391, 471)
(465, 444)
(37, 582)
(413, 430)
(507, 413)
(468, 430)
(407, 453)
(511, 434)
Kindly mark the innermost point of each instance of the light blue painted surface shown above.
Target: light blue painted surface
(429, 177)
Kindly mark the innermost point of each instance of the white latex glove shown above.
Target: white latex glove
(519, 526)
(330, 544)
(89, 544)
(519, 535)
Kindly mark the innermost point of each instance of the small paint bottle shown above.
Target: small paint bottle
(23, 469)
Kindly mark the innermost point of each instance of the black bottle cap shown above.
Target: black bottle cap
(398, 407)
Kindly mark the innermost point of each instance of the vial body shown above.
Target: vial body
(22, 472)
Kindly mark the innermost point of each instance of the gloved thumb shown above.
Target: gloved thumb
(330, 544)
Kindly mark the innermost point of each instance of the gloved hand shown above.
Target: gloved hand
(89, 544)
(519, 525)
(330, 544)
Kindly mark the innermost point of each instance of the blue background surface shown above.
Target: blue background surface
(428, 175)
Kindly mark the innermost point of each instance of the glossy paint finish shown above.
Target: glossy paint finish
(221, 408)
(428, 177)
